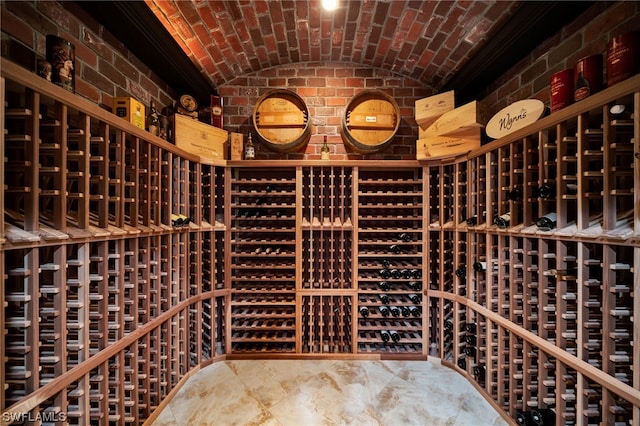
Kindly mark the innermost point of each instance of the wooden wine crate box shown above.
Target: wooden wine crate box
(199, 138)
(444, 146)
(429, 109)
(457, 121)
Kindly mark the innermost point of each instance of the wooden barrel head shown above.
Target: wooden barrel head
(281, 119)
(370, 121)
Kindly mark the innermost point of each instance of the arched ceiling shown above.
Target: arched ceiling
(462, 44)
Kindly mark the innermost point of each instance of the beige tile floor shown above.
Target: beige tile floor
(328, 392)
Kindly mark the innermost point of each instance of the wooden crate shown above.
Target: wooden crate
(454, 122)
(429, 109)
(443, 146)
(199, 138)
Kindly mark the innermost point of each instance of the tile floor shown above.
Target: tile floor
(328, 392)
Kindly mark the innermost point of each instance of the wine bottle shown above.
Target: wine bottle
(395, 249)
(176, 220)
(543, 416)
(325, 152)
(384, 311)
(479, 266)
(383, 285)
(479, 371)
(386, 263)
(396, 274)
(470, 339)
(502, 221)
(249, 149)
(415, 298)
(514, 194)
(470, 351)
(416, 274)
(404, 236)
(547, 222)
(462, 362)
(153, 120)
(461, 272)
(385, 336)
(385, 274)
(582, 88)
(415, 285)
(384, 298)
(448, 324)
(395, 311)
(394, 336)
(415, 311)
(523, 418)
(546, 191)
(406, 273)
(620, 112)
(472, 221)
(406, 312)
(364, 311)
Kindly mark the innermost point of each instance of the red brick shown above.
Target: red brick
(16, 28)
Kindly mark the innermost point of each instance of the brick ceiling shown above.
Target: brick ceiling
(424, 40)
(197, 46)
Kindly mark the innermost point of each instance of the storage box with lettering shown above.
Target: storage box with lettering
(131, 110)
(429, 109)
(456, 121)
(446, 146)
(199, 138)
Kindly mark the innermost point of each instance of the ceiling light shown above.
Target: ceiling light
(329, 4)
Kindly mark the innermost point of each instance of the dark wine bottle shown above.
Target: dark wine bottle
(470, 351)
(582, 88)
(415, 298)
(547, 191)
(364, 311)
(415, 285)
(395, 311)
(572, 189)
(385, 336)
(547, 222)
(396, 274)
(383, 285)
(395, 249)
(406, 312)
(479, 266)
(384, 298)
(386, 263)
(502, 221)
(385, 274)
(176, 220)
(394, 336)
(404, 236)
(384, 311)
(406, 273)
(415, 311)
(416, 273)
(543, 416)
(448, 324)
(470, 327)
(470, 339)
(479, 371)
(461, 272)
(472, 221)
(523, 418)
(462, 362)
(514, 194)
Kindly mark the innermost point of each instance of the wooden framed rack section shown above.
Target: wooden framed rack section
(516, 264)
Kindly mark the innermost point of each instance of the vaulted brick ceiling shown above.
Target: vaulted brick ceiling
(199, 45)
(424, 40)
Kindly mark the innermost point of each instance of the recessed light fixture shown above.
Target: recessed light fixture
(329, 5)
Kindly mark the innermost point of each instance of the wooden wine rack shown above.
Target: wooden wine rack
(107, 308)
(543, 318)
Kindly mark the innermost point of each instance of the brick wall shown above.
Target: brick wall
(326, 89)
(587, 35)
(104, 67)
